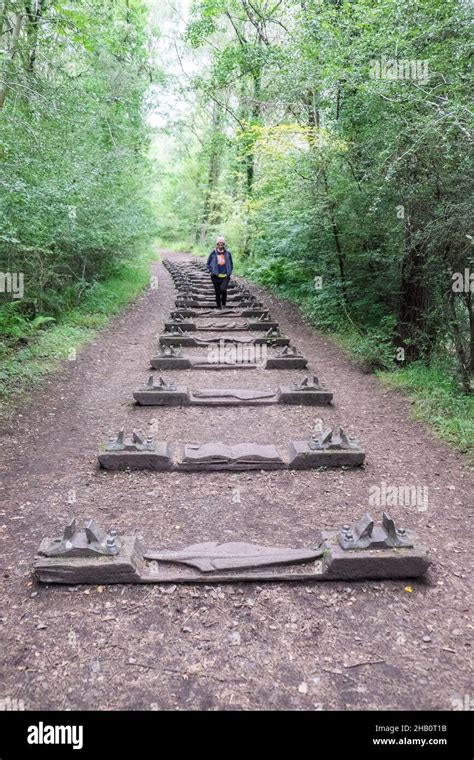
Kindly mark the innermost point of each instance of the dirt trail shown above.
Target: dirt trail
(364, 646)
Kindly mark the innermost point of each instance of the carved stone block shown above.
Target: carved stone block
(170, 357)
(216, 314)
(180, 338)
(358, 564)
(232, 397)
(325, 450)
(185, 326)
(267, 325)
(127, 566)
(218, 456)
(307, 391)
(160, 393)
(194, 303)
(223, 325)
(135, 453)
(198, 364)
(286, 362)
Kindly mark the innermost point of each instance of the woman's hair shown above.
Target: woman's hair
(220, 239)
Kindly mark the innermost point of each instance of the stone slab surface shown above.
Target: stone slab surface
(183, 362)
(219, 456)
(218, 314)
(194, 303)
(221, 325)
(201, 340)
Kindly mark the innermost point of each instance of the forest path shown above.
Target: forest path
(363, 645)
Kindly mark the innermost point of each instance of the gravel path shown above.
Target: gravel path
(369, 645)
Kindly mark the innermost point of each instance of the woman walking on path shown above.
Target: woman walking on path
(220, 266)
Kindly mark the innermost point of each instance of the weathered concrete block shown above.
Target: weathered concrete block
(307, 391)
(286, 362)
(181, 324)
(288, 358)
(359, 564)
(304, 398)
(268, 324)
(177, 338)
(170, 357)
(126, 567)
(161, 393)
(136, 453)
(170, 362)
(272, 338)
(325, 450)
(301, 457)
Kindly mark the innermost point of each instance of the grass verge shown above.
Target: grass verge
(24, 369)
(438, 401)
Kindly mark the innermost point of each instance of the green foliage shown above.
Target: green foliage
(74, 172)
(23, 369)
(374, 349)
(15, 328)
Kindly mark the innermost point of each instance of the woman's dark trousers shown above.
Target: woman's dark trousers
(220, 288)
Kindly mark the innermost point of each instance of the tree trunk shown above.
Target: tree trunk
(212, 176)
(254, 119)
(337, 240)
(17, 23)
(471, 331)
(464, 360)
(413, 328)
(34, 18)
